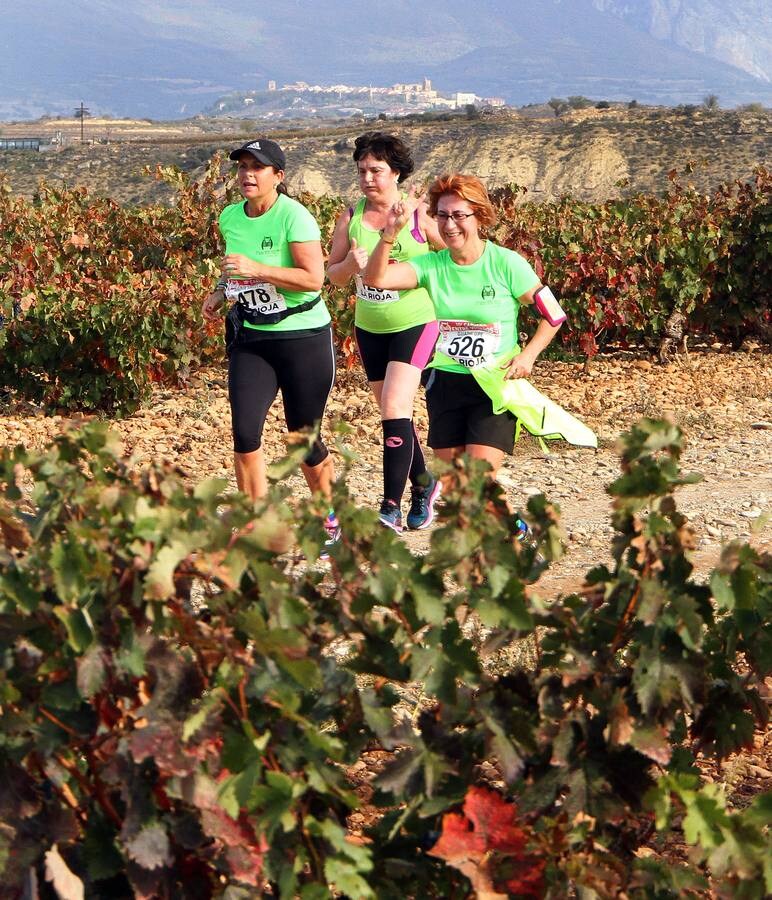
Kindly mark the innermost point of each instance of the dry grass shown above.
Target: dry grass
(584, 153)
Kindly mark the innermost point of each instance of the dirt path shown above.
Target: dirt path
(722, 400)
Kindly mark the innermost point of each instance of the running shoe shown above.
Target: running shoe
(422, 500)
(522, 531)
(332, 527)
(523, 535)
(391, 516)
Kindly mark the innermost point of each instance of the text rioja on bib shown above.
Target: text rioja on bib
(372, 294)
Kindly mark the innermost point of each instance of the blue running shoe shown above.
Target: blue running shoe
(391, 516)
(332, 527)
(522, 531)
(422, 500)
(523, 535)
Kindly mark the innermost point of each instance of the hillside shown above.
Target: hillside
(584, 153)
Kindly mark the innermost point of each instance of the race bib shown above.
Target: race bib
(470, 344)
(374, 295)
(256, 296)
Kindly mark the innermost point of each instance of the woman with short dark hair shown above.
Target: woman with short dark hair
(395, 330)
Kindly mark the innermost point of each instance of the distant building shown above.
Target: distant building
(494, 101)
(464, 99)
(422, 90)
(20, 143)
(271, 85)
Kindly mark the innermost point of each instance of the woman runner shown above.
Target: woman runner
(279, 333)
(478, 288)
(395, 330)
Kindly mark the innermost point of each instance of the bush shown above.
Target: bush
(623, 267)
(157, 741)
(97, 302)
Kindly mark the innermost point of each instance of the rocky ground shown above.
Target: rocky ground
(722, 400)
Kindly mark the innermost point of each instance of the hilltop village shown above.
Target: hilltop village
(300, 99)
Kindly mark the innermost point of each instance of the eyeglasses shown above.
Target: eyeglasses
(456, 216)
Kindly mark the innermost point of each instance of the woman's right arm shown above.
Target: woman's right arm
(213, 303)
(397, 276)
(346, 259)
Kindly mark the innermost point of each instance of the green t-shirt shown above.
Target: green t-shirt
(476, 305)
(384, 312)
(266, 239)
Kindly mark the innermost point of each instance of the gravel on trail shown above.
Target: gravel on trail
(722, 400)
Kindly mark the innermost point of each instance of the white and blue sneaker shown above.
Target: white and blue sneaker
(332, 527)
(390, 515)
(422, 500)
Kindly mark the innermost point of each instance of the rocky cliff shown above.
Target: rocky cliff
(738, 33)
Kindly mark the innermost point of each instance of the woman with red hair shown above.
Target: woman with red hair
(478, 288)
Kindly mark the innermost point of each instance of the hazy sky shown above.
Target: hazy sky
(167, 57)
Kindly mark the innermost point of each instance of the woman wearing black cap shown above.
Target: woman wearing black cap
(279, 333)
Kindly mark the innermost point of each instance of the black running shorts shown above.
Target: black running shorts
(302, 368)
(461, 413)
(414, 346)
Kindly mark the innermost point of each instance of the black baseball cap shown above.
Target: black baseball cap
(269, 153)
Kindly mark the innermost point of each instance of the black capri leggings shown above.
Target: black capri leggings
(303, 368)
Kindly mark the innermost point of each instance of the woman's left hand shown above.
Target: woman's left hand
(519, 366)
(236, 265)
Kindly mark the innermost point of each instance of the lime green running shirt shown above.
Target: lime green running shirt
(266, 239)
(476, 305)
(384, 312)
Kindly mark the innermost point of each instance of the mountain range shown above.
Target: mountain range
(169, 58)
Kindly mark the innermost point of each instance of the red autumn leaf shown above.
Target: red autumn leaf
(79, 241)
(162, 742)
(487, 845)
(494, 820)
(458, 842)
(588, 345)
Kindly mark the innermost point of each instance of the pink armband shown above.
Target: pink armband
(548, 306)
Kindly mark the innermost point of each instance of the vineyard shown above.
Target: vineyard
(189, 709)
(98, 302)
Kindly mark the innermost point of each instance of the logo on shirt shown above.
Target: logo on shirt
(488, 293)
(397, 248)
(267, 244)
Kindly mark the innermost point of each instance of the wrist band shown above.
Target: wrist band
(386, 240)
(222, 283)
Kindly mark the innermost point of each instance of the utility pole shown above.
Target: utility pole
(80, 113)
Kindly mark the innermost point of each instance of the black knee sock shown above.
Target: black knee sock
(397, 456)
(418, 466)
